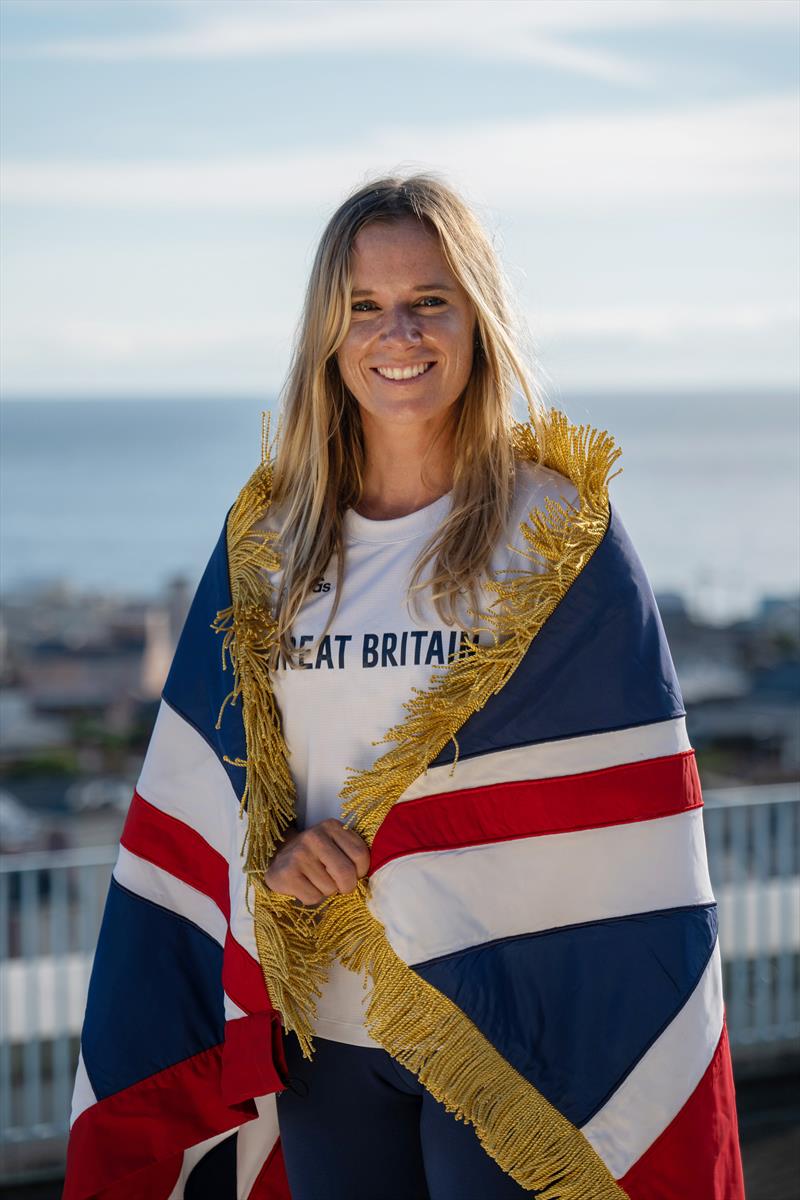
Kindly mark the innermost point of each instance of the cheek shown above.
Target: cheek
(462, 352)
(458, 339)
(350, 352)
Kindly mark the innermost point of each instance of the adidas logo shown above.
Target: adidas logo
(321, 585)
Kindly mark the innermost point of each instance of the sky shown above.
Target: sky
(167, 168)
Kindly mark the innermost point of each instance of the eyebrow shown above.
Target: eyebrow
(421, 287)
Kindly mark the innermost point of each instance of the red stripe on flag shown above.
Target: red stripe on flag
(177, 848)
(243, 978)
(127, 1141)
(642, 791)
(253, 1060)
(272, 1183)
(697, 1157)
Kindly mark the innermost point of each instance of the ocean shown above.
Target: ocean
(121, 495)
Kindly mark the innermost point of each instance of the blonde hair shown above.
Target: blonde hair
(319, 462)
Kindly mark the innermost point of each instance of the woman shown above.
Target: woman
(493, 944)
(412, 438)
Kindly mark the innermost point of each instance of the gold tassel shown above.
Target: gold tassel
(293, 964)
(249, 641)
(416, 1024)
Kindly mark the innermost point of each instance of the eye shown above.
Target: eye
(357, 307)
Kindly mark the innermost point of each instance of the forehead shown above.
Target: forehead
(396, 250)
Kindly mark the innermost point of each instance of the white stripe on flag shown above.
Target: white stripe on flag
(546, 760)
(83, 1096)
(442, 901)
(191, 1157)
(254, 1144)
(152, 883)
(663, 1080)
(242, 924)
(182, 776)
(232, 1011)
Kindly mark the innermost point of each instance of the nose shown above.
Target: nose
(401, 328)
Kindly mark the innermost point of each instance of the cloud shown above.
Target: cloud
(487, 29)
(658, 324)
(504, 30)
(123, 342)
(725, 149)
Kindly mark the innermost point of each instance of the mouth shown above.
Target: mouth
(404, 382)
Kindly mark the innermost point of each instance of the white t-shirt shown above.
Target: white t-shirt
(347, 693)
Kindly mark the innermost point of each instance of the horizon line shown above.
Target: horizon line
(783, 389)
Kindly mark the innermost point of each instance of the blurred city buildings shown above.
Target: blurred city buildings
(80, 681)
(81, 676)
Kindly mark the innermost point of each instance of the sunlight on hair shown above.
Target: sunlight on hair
(319, 463)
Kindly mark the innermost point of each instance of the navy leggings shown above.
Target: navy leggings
(355, 1125)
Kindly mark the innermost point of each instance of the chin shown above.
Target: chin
(407, 412)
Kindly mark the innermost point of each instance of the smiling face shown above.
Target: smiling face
(408, 313)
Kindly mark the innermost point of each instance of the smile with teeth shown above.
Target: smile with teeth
(403, 373)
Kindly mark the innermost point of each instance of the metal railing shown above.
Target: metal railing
(51, 906)
(753, 842)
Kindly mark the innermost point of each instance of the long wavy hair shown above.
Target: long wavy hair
(320, 456)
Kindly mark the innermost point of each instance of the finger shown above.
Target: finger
(353, 846)
(309, 895)
(303, 891)
(298, 871)
(338, 865)
(316, 872)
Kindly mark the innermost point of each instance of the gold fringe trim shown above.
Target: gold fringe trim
(249, 639)
(294, 961)
(416, 1024)
(293, 965)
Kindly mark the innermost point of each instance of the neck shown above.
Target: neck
(405, 469)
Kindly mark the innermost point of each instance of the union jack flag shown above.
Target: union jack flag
(552, 883)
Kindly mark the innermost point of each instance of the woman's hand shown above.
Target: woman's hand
(319, 862)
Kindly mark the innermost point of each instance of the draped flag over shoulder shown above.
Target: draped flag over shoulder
(181, 1049)
(537, 922)
(554, 888)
